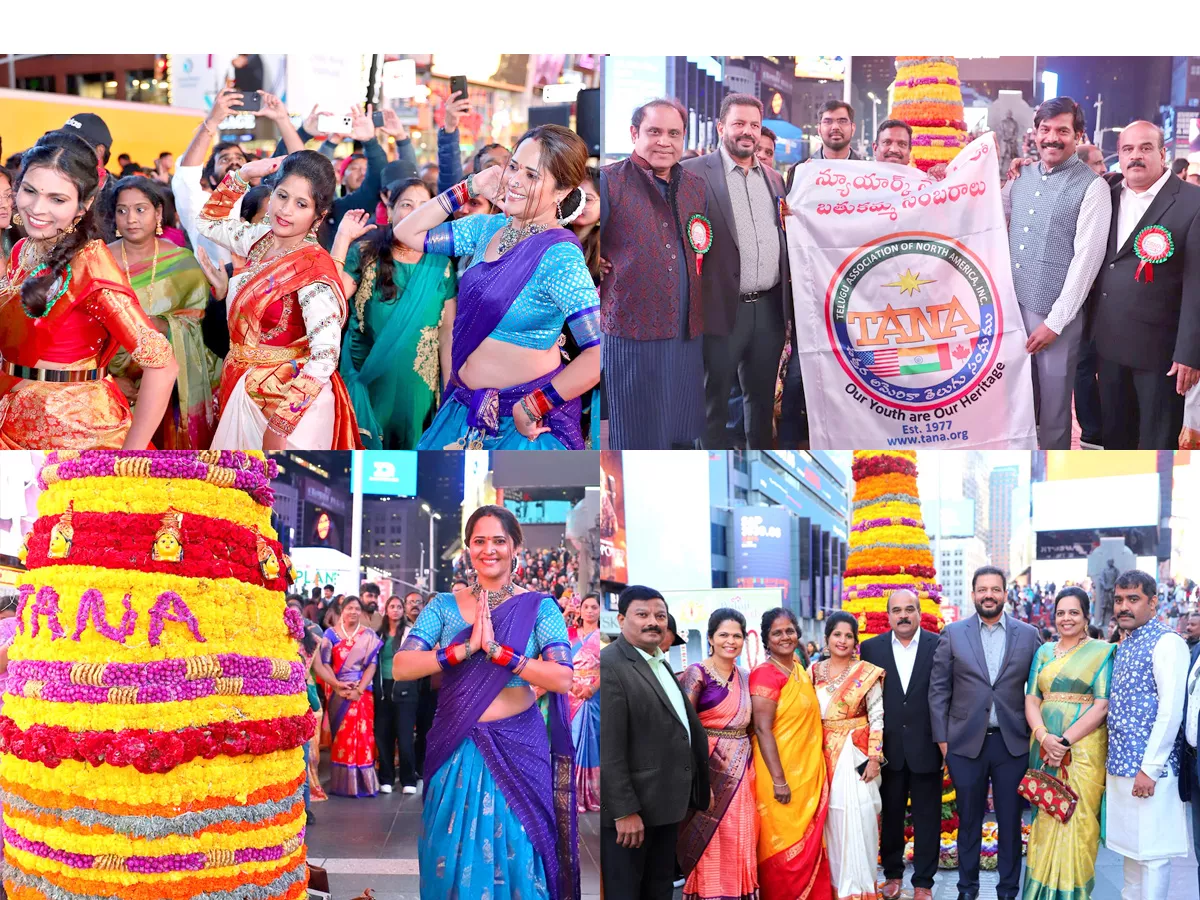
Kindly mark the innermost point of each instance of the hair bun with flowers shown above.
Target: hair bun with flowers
(152, 731)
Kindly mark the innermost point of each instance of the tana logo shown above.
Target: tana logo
(914, 319)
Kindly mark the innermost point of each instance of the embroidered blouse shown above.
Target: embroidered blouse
(560, 290)
(441, 621)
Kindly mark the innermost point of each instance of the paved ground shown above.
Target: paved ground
(372, 843)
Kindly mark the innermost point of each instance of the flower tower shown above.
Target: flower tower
(889, 550)
(156, 705)
(929, 98)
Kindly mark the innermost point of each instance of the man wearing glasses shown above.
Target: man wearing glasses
(835, 125)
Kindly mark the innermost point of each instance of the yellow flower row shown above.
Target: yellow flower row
(892, 509)
(123, 845)
(944, 93)
(232, 615)
(926, 70)
(862, 581)
(154, 497)
(942, 154)
(26, 711)
(195, 780)
(879, 604)
(892, 534)
(54, 869)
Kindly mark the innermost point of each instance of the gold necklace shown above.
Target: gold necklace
(153, 268)
(834, 681)
(1059, 654)
(494, 598)
(782, 668)
(717, 676)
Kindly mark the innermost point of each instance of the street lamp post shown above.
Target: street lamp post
(874, 115)
(432, 515)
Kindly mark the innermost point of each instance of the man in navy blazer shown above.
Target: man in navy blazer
(913, 771)
(977, 704)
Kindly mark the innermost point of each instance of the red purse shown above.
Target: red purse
(1051, 795)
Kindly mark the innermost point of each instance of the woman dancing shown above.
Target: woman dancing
(279, 387)
(499, 815)
(526, 278)
(65, 309)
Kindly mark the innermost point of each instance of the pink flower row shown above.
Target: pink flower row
(883, 523)
(166, 671)
(65, 692)
(252, 475)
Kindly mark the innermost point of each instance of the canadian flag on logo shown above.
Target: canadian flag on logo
(960, 350)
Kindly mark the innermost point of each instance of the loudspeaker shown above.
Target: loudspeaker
(587, 119)
(559, 114)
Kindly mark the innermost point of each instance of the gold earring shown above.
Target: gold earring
(158, 230)
(17, 219)
(117, 232)
(70, 229)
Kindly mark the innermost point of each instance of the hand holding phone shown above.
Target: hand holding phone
(377, 118)
(458, 84)
(251, 102)
(330, 124)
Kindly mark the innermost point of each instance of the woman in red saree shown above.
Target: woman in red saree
(65, 310)
(279, 385)
(717, 846)
(350, 652)
(793, 794)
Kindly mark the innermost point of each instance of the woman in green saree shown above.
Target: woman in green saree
(1067, 697)
(396, 354)
(173, 291)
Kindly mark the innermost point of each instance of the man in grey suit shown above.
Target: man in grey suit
(977, 705)
(744, 283)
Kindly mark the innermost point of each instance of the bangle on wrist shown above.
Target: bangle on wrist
(470, 184)
(529, 411)
(340, 260)
(454, 198)
(539, 404)
(239, 181)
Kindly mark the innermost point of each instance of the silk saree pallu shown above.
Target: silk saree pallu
(792, 861)
(499, 814)
(482, 418)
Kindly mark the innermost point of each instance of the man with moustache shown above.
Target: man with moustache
(1145, 820)
(653, 752)
(977, 709)
(1058, 213)
(745, 285)
(913, 771)
(651, 311)
(1144, 316)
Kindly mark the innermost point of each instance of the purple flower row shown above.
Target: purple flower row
(927, 79)
(64, 692)
(251, 475)
(166, 671)
(175, 862)
(882, 523)
(882, 590)
(928, 140)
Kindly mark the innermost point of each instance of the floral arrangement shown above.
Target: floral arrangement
(150, 742)
(928, 97)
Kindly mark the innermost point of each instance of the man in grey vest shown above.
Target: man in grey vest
(1058, 213)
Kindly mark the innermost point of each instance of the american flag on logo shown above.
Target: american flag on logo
(881, 362)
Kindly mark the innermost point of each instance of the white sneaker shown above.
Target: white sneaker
(680, 882)
(410, 789)
(385, 788)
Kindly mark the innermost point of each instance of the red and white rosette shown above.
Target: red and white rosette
(699, 232)
(1153, 245)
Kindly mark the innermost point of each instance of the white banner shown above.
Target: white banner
(908, 327)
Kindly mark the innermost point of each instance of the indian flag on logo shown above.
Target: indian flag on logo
(933, 357)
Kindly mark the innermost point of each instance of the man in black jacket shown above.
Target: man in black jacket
(1144, 308)
(653, 752)
(914, 762)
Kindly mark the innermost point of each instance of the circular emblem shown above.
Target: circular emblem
(914, 319)
(700, 233)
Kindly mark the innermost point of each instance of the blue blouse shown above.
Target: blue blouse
(440, 622)
(559, 292)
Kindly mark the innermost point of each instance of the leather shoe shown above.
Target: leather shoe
(922, 894)
(891, 889)
(968, 895)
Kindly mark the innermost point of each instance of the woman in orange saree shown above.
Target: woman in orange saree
(716, 846)
(279, 386)
(792, 791)
(65, 310)
(851, 696)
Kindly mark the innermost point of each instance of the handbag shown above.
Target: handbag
(1053, 796)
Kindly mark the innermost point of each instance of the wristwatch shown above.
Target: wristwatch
(1066, 740)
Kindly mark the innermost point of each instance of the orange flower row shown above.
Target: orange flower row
(888, 556)
(879, 485)
(47, 820)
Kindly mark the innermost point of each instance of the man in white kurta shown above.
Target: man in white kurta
(1145, 819)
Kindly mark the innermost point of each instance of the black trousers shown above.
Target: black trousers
(426, 708)
(396, 723)
(647, 873)
(971, 776)
(925, 789)
(1087, 394)
(1141, 409)
(751, 353)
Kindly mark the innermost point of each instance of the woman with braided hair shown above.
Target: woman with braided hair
(65, 310)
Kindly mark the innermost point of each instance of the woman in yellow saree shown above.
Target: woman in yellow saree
(791, 788)
(1067, 696)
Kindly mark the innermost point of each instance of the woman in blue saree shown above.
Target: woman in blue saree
(499, 816)
(349, 653)
(527, 277)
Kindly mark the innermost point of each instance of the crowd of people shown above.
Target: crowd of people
(741, 784)
(699, 345)
(379, 672)
(310, 299)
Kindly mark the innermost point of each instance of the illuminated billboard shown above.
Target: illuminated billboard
(761, 548)
(668, 528)
(1063, 465)
(1117, 501)
(614, 565)
(389, 473)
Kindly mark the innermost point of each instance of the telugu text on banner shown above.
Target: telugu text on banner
(908, 329)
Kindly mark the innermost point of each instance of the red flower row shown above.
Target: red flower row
(212, 548)
(877, 623)
(866, 467)
(153, 751)
(918, 571)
